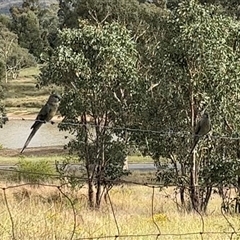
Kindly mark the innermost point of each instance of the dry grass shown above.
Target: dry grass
(139, 159)
(43, 213)
(28, 72)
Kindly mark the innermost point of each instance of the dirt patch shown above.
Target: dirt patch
(34, 151)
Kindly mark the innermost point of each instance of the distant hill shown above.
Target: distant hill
(6, 4)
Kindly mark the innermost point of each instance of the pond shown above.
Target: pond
(15, 132)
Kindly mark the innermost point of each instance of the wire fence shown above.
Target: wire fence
(11, 228)
(230, 231)
(160, 133)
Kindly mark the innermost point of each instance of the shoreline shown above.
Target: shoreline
(34, 151)
(31, 116)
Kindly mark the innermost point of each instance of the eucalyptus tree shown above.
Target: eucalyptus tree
(7, 41)
(196, 67)
(230, 7)
(36, 27)
(13, 57)
(97, 67)
(25, 24)
(146, 22)
(48, 21)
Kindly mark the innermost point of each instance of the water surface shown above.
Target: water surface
(15, 132)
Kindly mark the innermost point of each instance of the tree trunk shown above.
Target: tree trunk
(6, 75)
(98, 194)
(182, 199)
(194, 188)
(90, 193)
(90, 172)
(205, 197)
(100, 171)
(237, 203)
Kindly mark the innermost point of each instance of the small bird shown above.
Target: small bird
(202, 128)
(45, 115)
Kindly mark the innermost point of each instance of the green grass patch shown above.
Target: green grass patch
(21, 94)
(15, 160)
(140, 159)
(28, 169)
(29, 72)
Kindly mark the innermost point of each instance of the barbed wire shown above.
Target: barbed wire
(160, 133)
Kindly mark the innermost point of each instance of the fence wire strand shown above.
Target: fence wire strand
(234, 232)
(73, 210)
(160, 133)
(114, 215)
(152, 208)
(116, 182)
(9, 213)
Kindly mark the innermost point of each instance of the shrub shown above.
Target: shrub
(35, 171)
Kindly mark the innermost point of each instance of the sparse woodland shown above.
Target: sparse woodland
(151, 66)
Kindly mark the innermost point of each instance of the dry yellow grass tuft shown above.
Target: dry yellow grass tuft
(44, 213)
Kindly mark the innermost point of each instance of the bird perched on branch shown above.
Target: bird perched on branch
(202, 128)
(45, 115)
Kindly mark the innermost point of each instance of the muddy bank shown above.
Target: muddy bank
(34, 151)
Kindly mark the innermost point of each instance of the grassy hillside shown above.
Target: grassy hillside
(22, 96)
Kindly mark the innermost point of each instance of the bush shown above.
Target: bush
(21, 58)
(35, 171)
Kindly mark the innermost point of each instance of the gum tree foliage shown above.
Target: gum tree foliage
(13, 57)
(49, 24)
(25, 24)
(145, 21)
(36, 27)
(196, 66)
(132, 13)
(7, 42)
(5, 20)
(96, 66)
(230, 7)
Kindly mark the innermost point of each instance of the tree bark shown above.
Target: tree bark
(194, 188)
(88, 164)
